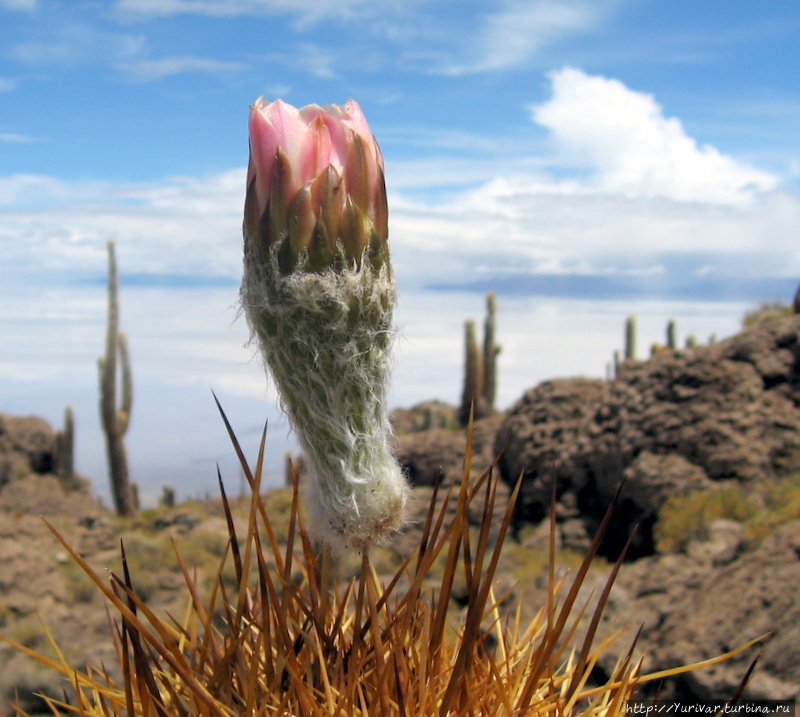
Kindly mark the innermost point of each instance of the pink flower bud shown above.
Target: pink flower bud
(315, 186)
(319, 295)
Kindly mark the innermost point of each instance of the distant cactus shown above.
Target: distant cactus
(288, 467)
(796, 302)
(691, 341)
(472, 396)
(480, 367)
(672, 335)
(65, 449)
(115, 420)
(490, 351)
(168, 496)
(617, 362)
(630, 338)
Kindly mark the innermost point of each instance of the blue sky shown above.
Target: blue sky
(619, 150)
(672, 124)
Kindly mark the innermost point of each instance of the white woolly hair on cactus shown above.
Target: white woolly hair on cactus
(326, 339)
(319, 295)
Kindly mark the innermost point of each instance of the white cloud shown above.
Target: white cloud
(158, 69)
(25, 5)
(308, 58)
(523, 28)
(181, 225)
(14, 138)
(74, 43)
(310, 9)
(633, 149)
(476, 219)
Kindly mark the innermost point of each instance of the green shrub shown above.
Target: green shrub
(764, 311)
(687, 517)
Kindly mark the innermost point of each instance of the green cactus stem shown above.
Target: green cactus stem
(630, 338)
(672, 335)
(472, 396)
(167, 496)
(115, 419)
(490, 352)
(65, 449)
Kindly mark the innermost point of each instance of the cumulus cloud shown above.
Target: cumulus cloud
(632, 148)
(642, 210)
(508, 227)
(626, 192)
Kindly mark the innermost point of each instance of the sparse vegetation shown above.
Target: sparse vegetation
(764, 311)
(286, 636)
(761, 510)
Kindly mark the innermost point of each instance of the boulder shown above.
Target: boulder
(697, 606)
(27, 445)
(682, 421)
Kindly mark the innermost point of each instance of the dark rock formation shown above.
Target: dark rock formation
(682, 421)
(27, 445)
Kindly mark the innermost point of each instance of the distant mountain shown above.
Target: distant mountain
(631, 287)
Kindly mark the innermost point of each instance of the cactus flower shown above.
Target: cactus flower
(319, 294)
(316, 178)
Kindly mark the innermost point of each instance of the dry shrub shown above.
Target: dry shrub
(294, 640)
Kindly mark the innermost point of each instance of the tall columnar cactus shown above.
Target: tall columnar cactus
(672, 335)
(65, 448)
(490, 352)
(796, 302)
(115, 419)
(480, 367)
(472, 400)
(319, 293)
(167, 496)
(630, 338)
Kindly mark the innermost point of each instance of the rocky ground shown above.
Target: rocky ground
(709, 418)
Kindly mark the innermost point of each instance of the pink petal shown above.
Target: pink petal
(315, 153)
(354, 118)
(263, 147)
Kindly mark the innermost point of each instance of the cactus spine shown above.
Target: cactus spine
(630, 338)
(115, 420)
